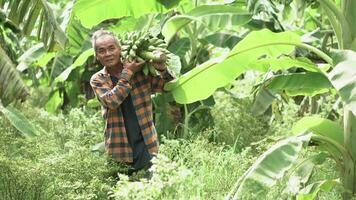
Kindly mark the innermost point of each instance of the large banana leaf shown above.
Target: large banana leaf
(320, 126)
(223, 40)
(307, 84)
(54, 102)
(203, 80)
(272, 164)
(19, 121)
(302, 173)
(262, 101)
(92, 12)
(78, 37)
(25, 14)
(11, 85)
(31, 55)
(180, 47)
(82, 58)
(311, 191)
(284, 63)
(350, 15)
(60, 62)
(340, 25)
(214, 16)
(343, 77)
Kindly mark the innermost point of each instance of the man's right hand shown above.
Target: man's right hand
(133, 66)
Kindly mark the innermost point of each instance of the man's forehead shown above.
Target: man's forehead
(105, 40)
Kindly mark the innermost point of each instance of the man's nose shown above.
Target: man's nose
(107, 52)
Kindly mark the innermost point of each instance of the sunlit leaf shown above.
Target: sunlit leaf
(219, 72)
(272, 164)
(24, 14)
(77, 63)
(220, 16)
(222, 40)
(92, 12)
(343, 78)
(274, 64)
(45, 58)
(31, 55)
(311, 191)
(262, 101)
(19, 121)
(54, 102)
(307, 84)
(320, 126)
(303, 171)
(11, 85)
(93, 103)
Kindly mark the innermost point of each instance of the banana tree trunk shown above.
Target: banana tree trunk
(349, 179)
(348, 7)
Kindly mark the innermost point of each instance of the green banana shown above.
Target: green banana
(141, 46)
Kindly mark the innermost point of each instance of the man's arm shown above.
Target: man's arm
(112, 97)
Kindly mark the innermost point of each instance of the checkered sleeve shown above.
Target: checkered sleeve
(157, 82)
(112, 97)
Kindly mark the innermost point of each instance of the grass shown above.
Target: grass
(59, 164)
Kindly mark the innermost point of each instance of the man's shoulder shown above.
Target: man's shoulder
(98, 75)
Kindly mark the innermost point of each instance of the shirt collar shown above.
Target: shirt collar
(104, 72)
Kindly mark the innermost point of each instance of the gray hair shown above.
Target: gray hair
(100, 33)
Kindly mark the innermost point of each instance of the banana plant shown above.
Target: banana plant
(328, 135)
(342, 78)
(92, 12)
(246, 53)
(11, 86)
(23, 16)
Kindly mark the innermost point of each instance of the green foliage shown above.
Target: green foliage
(22, 180)
(343, 78)
(213, 16)
(311, 191)
(80, 61)
(23, 15)
(320, 126)
(222, 71)
(11, 85)
(270, 166)
(19, 121)
(182, 167)
(31, 55)
(234, 124)
(91, 13)
(306, 84)
(69, 170)
(59, 164)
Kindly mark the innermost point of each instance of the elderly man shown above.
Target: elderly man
(125, 94)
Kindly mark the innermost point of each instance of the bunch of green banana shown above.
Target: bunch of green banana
(139, 46)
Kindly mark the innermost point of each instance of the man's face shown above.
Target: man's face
(107, 51)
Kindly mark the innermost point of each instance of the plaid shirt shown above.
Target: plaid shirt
(111, 96)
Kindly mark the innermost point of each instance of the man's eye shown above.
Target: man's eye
(101, 51)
